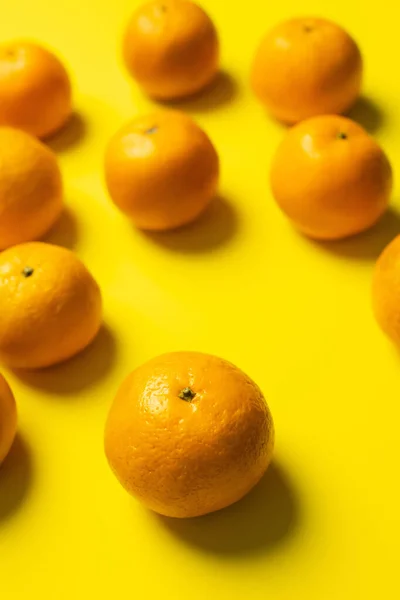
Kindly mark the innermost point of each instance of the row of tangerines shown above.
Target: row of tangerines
(187, 433)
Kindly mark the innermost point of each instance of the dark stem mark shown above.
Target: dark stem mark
(342, 136)
(187, 394)
(27, 271)
(152, 130)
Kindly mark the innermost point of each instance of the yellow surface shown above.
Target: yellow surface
(242, 284)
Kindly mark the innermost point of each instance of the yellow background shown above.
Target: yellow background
(324, 524)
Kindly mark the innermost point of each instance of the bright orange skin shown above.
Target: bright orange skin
(35, 90)
(386, 290)
(306, 67)
(185, 458)
(31, 191)
(161, 170)
(328, 186)
(49, 315)
(8, 418)
(171, 48)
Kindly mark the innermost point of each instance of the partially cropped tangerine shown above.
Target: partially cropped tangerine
(8, 418)
(386, 291)
(51, 305)
(331, 178)
(31, 191)
(188, 434)
(35, 89)
(171, 48)
(306, 67)
(161, 170)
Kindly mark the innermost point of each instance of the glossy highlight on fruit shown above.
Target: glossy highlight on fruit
(31, 189)
(386, 291)
(8, 418)
(330, 177)
(35, 89)
(188, 434)
(306, 67)
(51, 306)
(171, 48)
(161, 170)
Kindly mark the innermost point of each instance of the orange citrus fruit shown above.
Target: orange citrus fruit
(161, 170)
(50, 305)
(330, 177)
(35, 90)
(386, 290)
(31, 194)
(306, 67)
(8, 418)
(171, 48)
(189, 434)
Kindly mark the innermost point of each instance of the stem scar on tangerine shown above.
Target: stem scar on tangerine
(27, 272)
(187, 394)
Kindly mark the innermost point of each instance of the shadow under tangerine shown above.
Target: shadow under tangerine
(15, 478)
(218, 94)
(71, 134)
(83, 370)
(65, 231)
(368, 114)
(369, 244)
(215, 227)
(266, 517)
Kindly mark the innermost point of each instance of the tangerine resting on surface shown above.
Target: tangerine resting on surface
(35, 90)
(189, 434)
(31, 194)
(8, 418)
(386, 290)
(306, 67)
(50, 305)
(161, 170)
(171, 48)
(330, 177)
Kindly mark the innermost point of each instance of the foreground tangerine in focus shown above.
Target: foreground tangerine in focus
(31, 194)
(306, 67)
(331, 178)
(50, 305)
(386, 291)
(35, 90)
(161, 170)
(171, 48)
(8, 418)
(189, 434)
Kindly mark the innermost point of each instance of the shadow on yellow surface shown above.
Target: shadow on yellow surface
(65, 231)
(15, 478)
(368, 114)
(214, 228)
(69, 136)
(219, 93)
(370, 244)
(264, 518)
(85, 369)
